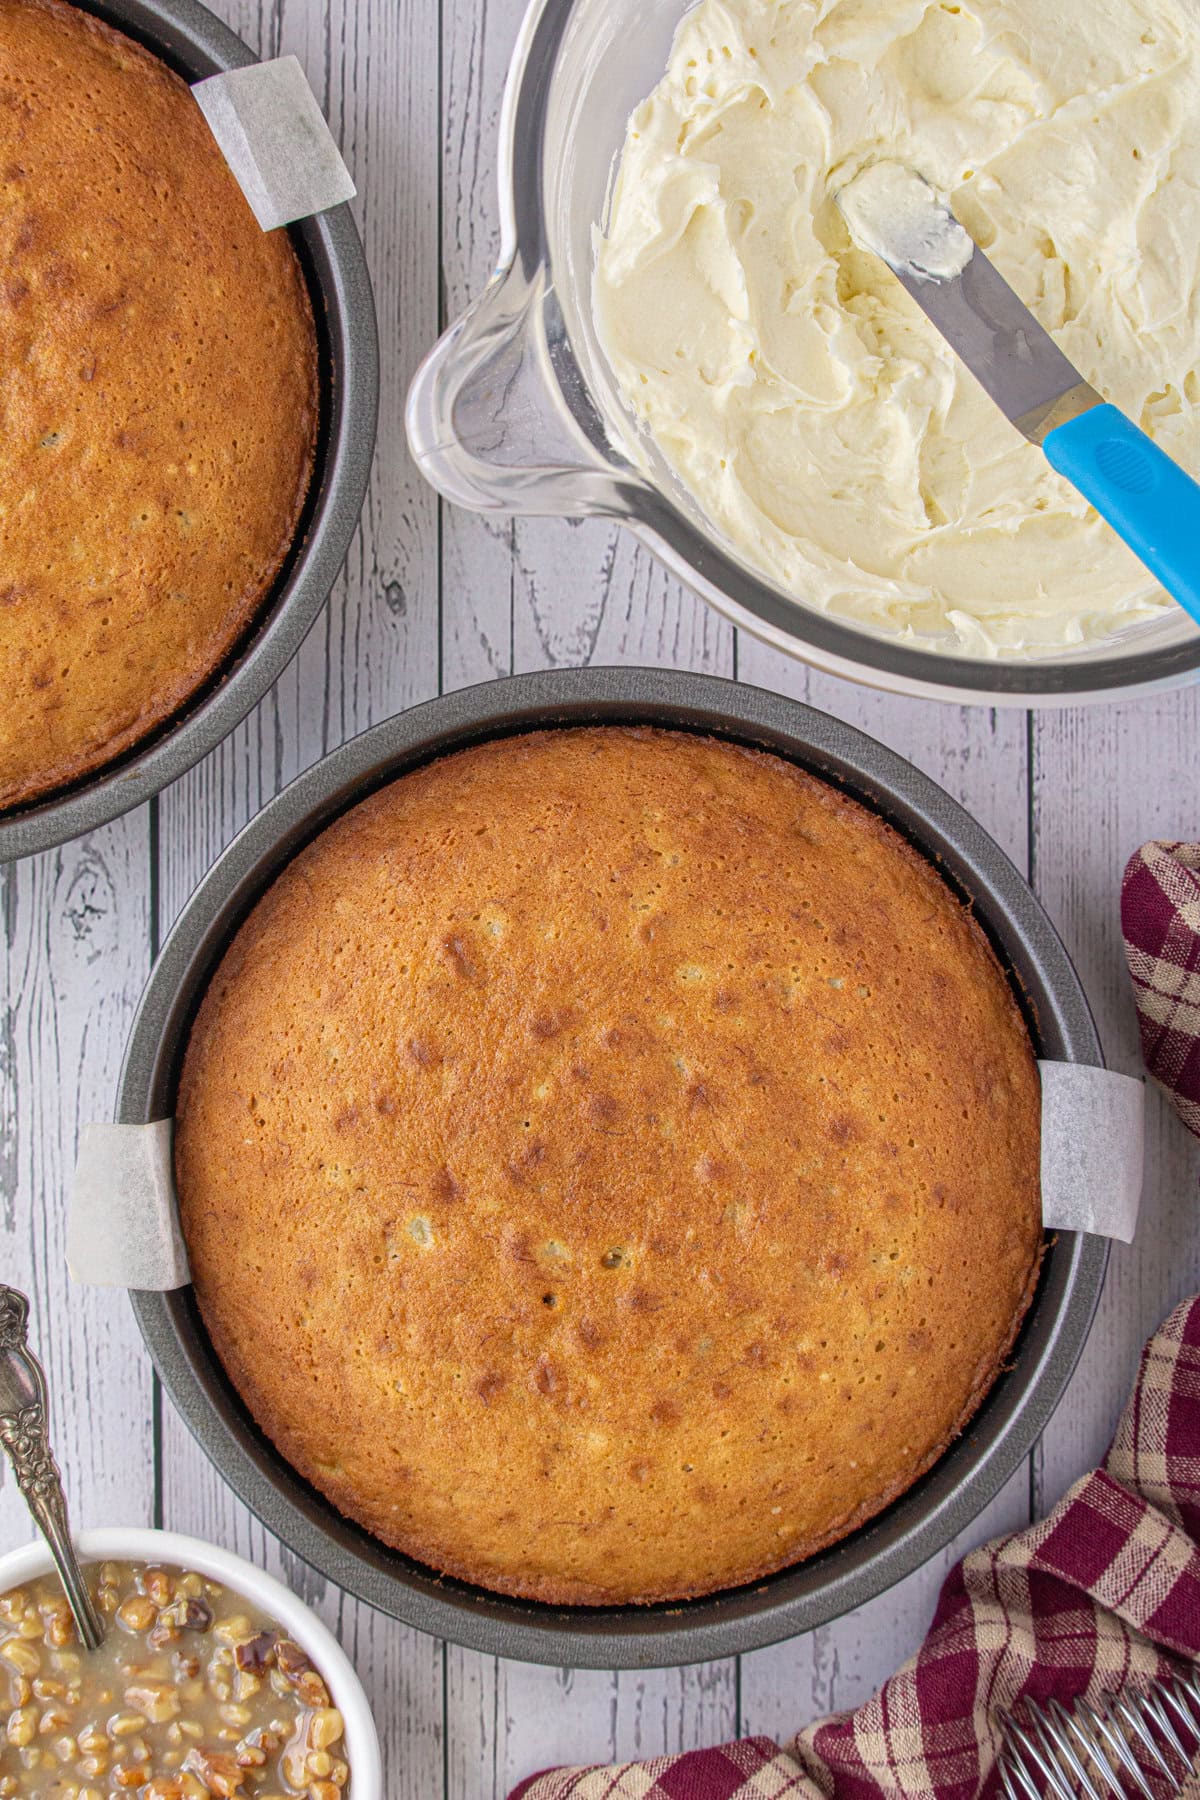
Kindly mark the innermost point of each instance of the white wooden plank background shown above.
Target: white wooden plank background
(433, 599)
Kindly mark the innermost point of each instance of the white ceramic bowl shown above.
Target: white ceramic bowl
(169, 1549)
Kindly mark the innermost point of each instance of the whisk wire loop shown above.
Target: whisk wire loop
(1059, 1749)
(1133, 1718)
(1157, 1710)
(1067, 1731)
(1117, 1744)
(1090, 1752)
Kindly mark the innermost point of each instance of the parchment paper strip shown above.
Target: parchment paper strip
(1092, 1144)
(123, 1228)
(274, 137)
(123, 1225)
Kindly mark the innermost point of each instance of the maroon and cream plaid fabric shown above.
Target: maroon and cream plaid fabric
(1104, 1592)
(1160, 917)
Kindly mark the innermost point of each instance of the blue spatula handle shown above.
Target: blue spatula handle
(1145, 496)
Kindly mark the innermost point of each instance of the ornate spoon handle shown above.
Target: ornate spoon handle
(25, 1435)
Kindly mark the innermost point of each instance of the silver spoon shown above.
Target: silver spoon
(24, 1432)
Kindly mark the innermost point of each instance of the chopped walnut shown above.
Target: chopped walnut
(256, 1653)
(220, 1772)
(233, 1711)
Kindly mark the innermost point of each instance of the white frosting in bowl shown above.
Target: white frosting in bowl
(818, 420)
(893, 212)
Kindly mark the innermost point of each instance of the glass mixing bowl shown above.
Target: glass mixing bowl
(516, 410)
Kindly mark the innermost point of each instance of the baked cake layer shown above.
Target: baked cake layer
(158, 398)
(609, 1164)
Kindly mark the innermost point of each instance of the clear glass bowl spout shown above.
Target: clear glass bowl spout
(486, 418)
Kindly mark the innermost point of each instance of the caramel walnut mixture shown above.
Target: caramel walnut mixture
(194, 1693)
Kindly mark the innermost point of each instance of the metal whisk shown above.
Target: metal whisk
(1094, 1753)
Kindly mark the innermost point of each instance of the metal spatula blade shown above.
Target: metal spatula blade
(1148, 499)
(1010, 355)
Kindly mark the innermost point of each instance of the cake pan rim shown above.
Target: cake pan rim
(941, 1503)
(186, 35)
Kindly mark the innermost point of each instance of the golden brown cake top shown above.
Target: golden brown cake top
(609, 1164)
(158, 397)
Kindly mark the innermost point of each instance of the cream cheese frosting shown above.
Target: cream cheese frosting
(892, 212)
(817, 419)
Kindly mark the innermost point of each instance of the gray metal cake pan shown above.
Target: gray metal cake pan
(947, 1499)
(195, 43)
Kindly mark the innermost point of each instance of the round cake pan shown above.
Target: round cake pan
(937, 1507)
(194, 43)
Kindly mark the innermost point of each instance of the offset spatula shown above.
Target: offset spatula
(1146, 498)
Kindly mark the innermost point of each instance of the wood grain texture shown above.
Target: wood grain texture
(477, 554)
(74, 955)
(1105, 780)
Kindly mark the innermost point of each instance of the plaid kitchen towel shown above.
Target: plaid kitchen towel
(1160, 917)
(1104, 1592)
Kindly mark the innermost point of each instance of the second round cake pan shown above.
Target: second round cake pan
(943, 1502)
(193, 41)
